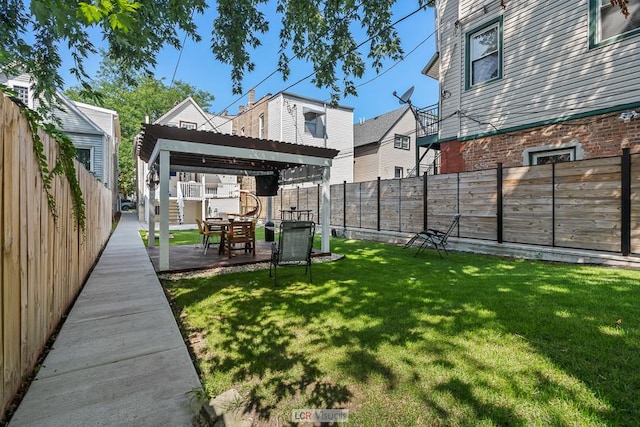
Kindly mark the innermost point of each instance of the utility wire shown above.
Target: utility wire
(363, 43)
(184, 40)
(355, 48)
(296, 56)
(397, 62)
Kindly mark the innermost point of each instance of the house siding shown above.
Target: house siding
(94, 142)
(106, 120)
(248, 122)
(375, 153)
(390, 157)
(366, 163)
(286, 123)
(548, 74)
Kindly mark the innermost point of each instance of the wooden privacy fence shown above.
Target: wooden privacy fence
(589, 204)
(43, 264)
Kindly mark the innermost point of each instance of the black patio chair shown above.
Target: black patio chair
(434, 238)
(295, 242)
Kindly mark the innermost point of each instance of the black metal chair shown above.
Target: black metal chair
(295, 242)
(434, 238)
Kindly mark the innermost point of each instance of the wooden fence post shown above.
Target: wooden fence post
(625, 203)
(500, 213)
(378, 203)
(344, 205)
(553, 204)
(425, 192)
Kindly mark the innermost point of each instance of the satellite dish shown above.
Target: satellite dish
(406, 97)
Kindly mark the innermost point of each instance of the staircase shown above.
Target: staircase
(174, 213)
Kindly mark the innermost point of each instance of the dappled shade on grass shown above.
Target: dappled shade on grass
(423, 341)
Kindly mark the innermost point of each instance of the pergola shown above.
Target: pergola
(172, 149)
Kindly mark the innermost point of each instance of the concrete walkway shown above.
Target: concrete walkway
(119, 359)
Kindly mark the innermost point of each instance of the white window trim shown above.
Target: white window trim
(531, 154)
(497, 24)
(313, 122)
(399, 141)
(595, 24)
(188, 125)
(261, 126)
(91, 157)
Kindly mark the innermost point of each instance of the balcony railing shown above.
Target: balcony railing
(428, 120)
(196, 191)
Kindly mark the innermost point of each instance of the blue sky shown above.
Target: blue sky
(197, 66)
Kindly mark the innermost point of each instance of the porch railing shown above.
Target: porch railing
(428, 120)
(190, 190)
(222, 191)
(196, 191)
(180, 203)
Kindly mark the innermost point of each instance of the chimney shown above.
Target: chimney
(240, 109)
(252, 97)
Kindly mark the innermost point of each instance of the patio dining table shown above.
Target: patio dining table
(296, 214)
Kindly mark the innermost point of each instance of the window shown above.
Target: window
(84, 156)
(484, 54)
(261, 126)
(311, 124)
(188, 125)
(401, 141)
(398, 172)
(608, 25)
(552, 156)
(22, 93)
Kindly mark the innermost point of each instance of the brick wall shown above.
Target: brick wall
(249, 118)
(597, 136)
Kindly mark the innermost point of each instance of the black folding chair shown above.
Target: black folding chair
(434, 238)
(295, 242)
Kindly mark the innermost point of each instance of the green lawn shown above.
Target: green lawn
(398, 340)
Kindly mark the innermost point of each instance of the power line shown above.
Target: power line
(353, 49)
(364, 42)
(397, 62)
(184, 41)
(296, 56)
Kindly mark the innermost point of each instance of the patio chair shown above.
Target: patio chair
(207, 234)
(434, 238)
(295, 242)
(240, 236)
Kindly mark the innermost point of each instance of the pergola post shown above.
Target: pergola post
(151, 206)
(326, 210)
(164, 210)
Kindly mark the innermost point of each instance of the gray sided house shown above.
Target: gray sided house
(298, 119)
(95, 132)
(385, 147)
(535, 82)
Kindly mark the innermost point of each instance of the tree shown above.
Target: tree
(134, 98)
(318, 31)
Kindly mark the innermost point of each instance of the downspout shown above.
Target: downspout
(281, 116)
(324, 127)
